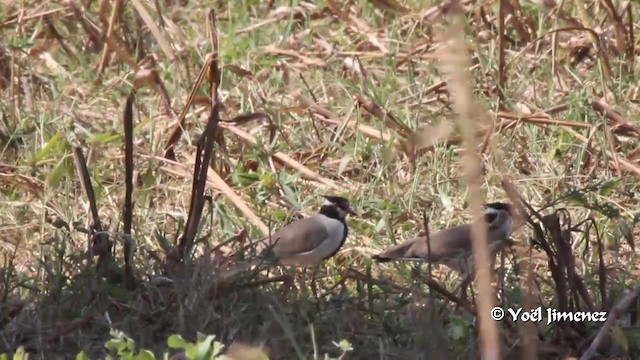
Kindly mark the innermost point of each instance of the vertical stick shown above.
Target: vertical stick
(127, 210)
(501, 62)
(455, 60)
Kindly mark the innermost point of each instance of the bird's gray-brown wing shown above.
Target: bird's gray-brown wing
(298, 237)
(444, 244)
(397, 252)
(449, 243)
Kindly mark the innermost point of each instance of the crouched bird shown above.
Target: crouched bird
(309, 241)
(452, 247)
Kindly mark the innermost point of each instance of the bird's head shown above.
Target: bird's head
(340, 205)
(499, 215)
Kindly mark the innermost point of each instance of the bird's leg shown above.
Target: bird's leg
(465, 271)
(314, 281)
(303, 282)
(289, 285)
(314, 286)
(464, 285)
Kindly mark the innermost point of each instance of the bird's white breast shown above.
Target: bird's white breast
(335, 233)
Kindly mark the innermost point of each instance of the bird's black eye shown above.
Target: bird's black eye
(490, 217)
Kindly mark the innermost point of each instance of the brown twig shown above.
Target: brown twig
(447, 294)
(155, 31)
(216, 182)
(282, 157)
(540, 120)
(85, 183)
(630, 52)
(425, 225)
(100, 37)
(117, 5)
(388, 119)
(598, 45)
(127, 211)
(624, 163)
(98, 241)
(177, 131)
(204, 153)
(618, 123)
(213, 72)
(335, 119)
(502, 73)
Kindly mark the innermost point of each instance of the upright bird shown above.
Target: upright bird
(452, 247)
(309, 241)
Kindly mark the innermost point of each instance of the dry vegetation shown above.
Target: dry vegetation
(111, 150)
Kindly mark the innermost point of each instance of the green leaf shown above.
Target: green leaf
(191, 351)
(20, 354)
(578, 199)
(278, 215)
(266, 180)
(245, 179)
(114, 344)
(127, 347)
(42, 154)
(204, 346)
(82, 356)
(291, 196)
(54, 177)
(104, 138)
(608, 187)
(145, 355)
(162, 241)
(217, 349)
(177, 342)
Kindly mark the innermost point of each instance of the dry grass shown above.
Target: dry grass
(319, 97)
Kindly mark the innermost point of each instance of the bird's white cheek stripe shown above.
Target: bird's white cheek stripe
(491, 210)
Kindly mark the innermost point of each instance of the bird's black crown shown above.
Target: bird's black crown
(336, 199)
(500, 206)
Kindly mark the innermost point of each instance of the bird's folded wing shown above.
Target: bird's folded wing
(400, 251)
(298, 237)
(444, 244)
(450, 243)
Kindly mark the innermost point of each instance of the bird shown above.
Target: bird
(308, 242)
(452, 246)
